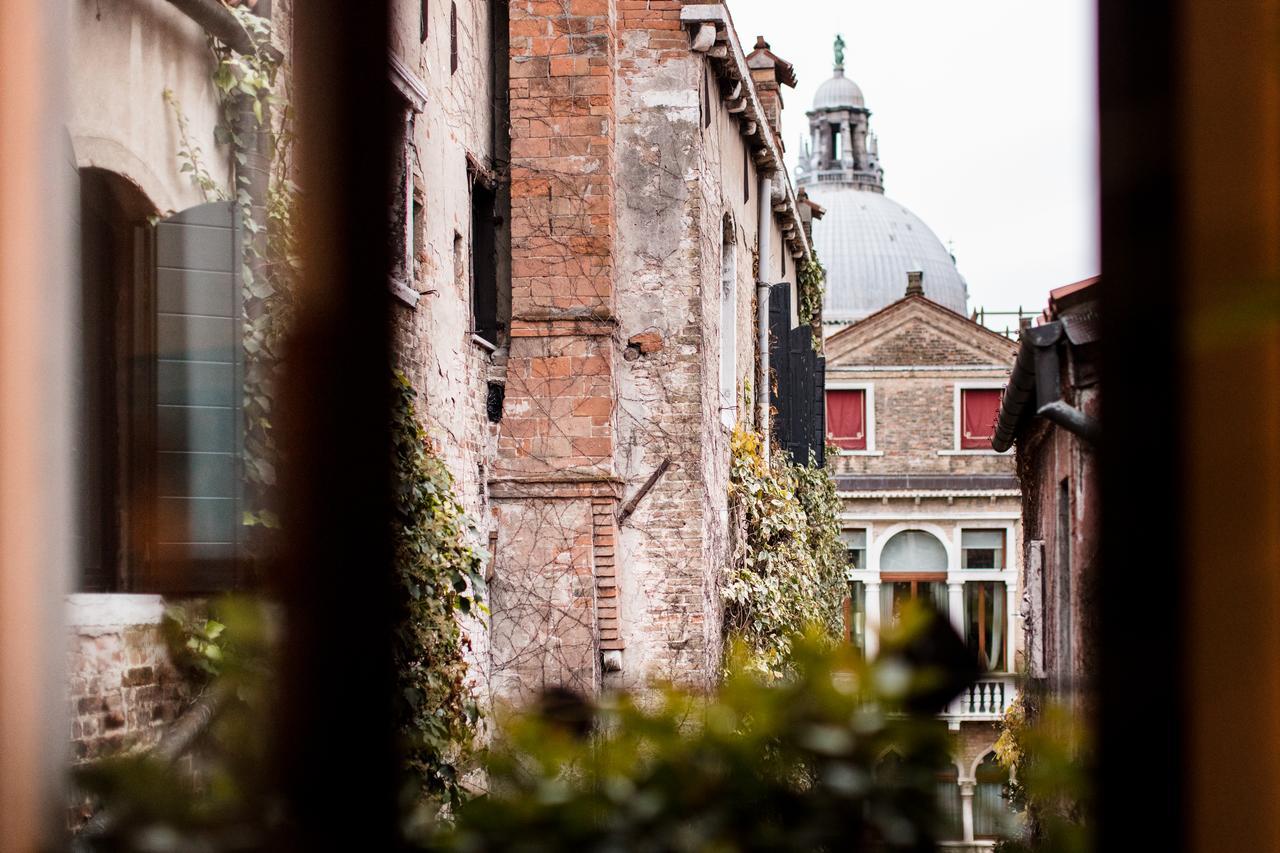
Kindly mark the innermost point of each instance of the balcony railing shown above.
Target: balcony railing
(986, 699)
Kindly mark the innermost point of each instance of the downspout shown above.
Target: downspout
(1035, 383)
(764, 223)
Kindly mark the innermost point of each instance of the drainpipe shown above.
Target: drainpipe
(764, 222)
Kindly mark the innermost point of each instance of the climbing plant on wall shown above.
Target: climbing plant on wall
(789, 575)
(811, 278)
(439, 575)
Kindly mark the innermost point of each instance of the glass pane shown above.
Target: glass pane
(913, 551)
(854, 538)
(982, 538)
(855, 543)
(991, 810)
(858, 616)
(950, 823)
(982, 549)
(985, 622)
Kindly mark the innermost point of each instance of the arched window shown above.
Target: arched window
(990, 808)
(913, 567)
(728, 323)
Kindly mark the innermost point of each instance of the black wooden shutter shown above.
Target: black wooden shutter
(198, 428)
(796, 392)
(779, 360)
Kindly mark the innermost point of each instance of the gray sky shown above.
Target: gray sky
(985, 110)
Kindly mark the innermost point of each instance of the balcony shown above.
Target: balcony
(986, 699)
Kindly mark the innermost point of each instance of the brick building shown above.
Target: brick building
(1050, 411)
(590, 205)
(931, 512)
(649, 203)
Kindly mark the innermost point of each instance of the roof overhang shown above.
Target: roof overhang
(712, 34)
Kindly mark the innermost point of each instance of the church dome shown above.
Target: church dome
(868, 243)
(838, 92)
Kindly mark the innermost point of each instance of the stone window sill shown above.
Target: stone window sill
(861, 452)
(971, 453)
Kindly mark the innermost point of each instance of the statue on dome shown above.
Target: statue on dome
(839, 47)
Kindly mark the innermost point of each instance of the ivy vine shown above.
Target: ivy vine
(789, 577)
(439, 575)
(810, 279)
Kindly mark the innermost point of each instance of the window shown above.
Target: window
(161, 367)
(985, 615)
(855, 617)
(746, 181)
(950, 805)
(484, 269)
(424, 12)
(913, 567)
(913, 551)
(990, 809)
(728, 323)
(835, 143)
(855, 545)
(978, 410)
(982, 549)
(847, 418)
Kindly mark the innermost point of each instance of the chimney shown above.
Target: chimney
(768, 72)
(915, 283)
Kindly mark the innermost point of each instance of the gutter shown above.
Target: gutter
(1035, 390)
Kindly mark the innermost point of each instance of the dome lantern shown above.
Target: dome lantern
(868, 242)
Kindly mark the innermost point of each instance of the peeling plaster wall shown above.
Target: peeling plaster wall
(433, 340)
(676, 180)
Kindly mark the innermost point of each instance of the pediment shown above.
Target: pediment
(917, 332)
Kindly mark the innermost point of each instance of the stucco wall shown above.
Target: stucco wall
(124, 55)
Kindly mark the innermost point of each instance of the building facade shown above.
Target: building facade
(930, 510)
(590, 204)
(931, 513)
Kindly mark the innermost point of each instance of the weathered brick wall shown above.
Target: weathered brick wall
(678, 178)
(556, 440)
(971, 743)
(123, 688)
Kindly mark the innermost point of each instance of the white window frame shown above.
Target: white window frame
(856, 574)
(957, 395)
(868, 390)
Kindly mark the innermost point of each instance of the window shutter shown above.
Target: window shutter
(198, 425)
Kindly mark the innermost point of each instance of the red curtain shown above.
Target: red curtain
(846, 419)
(979, 408)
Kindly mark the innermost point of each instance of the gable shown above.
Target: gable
(917, 332)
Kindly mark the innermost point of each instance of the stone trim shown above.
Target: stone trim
(110, 611)
(568, 487)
